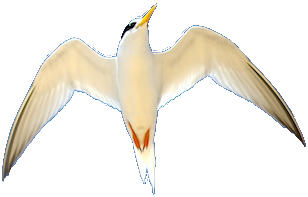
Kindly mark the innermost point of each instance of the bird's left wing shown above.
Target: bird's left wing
(73, 66)
(201, 52)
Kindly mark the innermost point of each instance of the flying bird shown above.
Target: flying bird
(138, 82)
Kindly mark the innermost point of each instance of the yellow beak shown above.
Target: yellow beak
(146, 18)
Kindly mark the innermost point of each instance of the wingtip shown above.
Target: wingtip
(304, 143)
(5, 172)
(3, 175)
(299, 135)
(301, 138)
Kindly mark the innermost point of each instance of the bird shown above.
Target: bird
(138, 82)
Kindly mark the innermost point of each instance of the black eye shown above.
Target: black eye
(132, 25)
(128, 27)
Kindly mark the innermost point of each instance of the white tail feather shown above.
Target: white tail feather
(146, 163)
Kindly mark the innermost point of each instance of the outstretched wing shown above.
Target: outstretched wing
(201, 52)
(73, 66)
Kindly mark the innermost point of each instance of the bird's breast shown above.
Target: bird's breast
(137, 85)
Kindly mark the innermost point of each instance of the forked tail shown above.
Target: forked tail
(146, 164)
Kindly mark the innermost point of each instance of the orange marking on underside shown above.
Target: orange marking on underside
(146, 138)
(135, 138)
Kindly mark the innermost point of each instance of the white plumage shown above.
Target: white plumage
(137, 82)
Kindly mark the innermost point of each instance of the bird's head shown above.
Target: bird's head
(137, 28)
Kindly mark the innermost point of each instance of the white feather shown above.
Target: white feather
(73, 66)
(201, 52)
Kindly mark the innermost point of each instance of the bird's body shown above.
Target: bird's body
(138, 82)
(138, 92)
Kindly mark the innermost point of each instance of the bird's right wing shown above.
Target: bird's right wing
(73, 66)
(201, 52)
